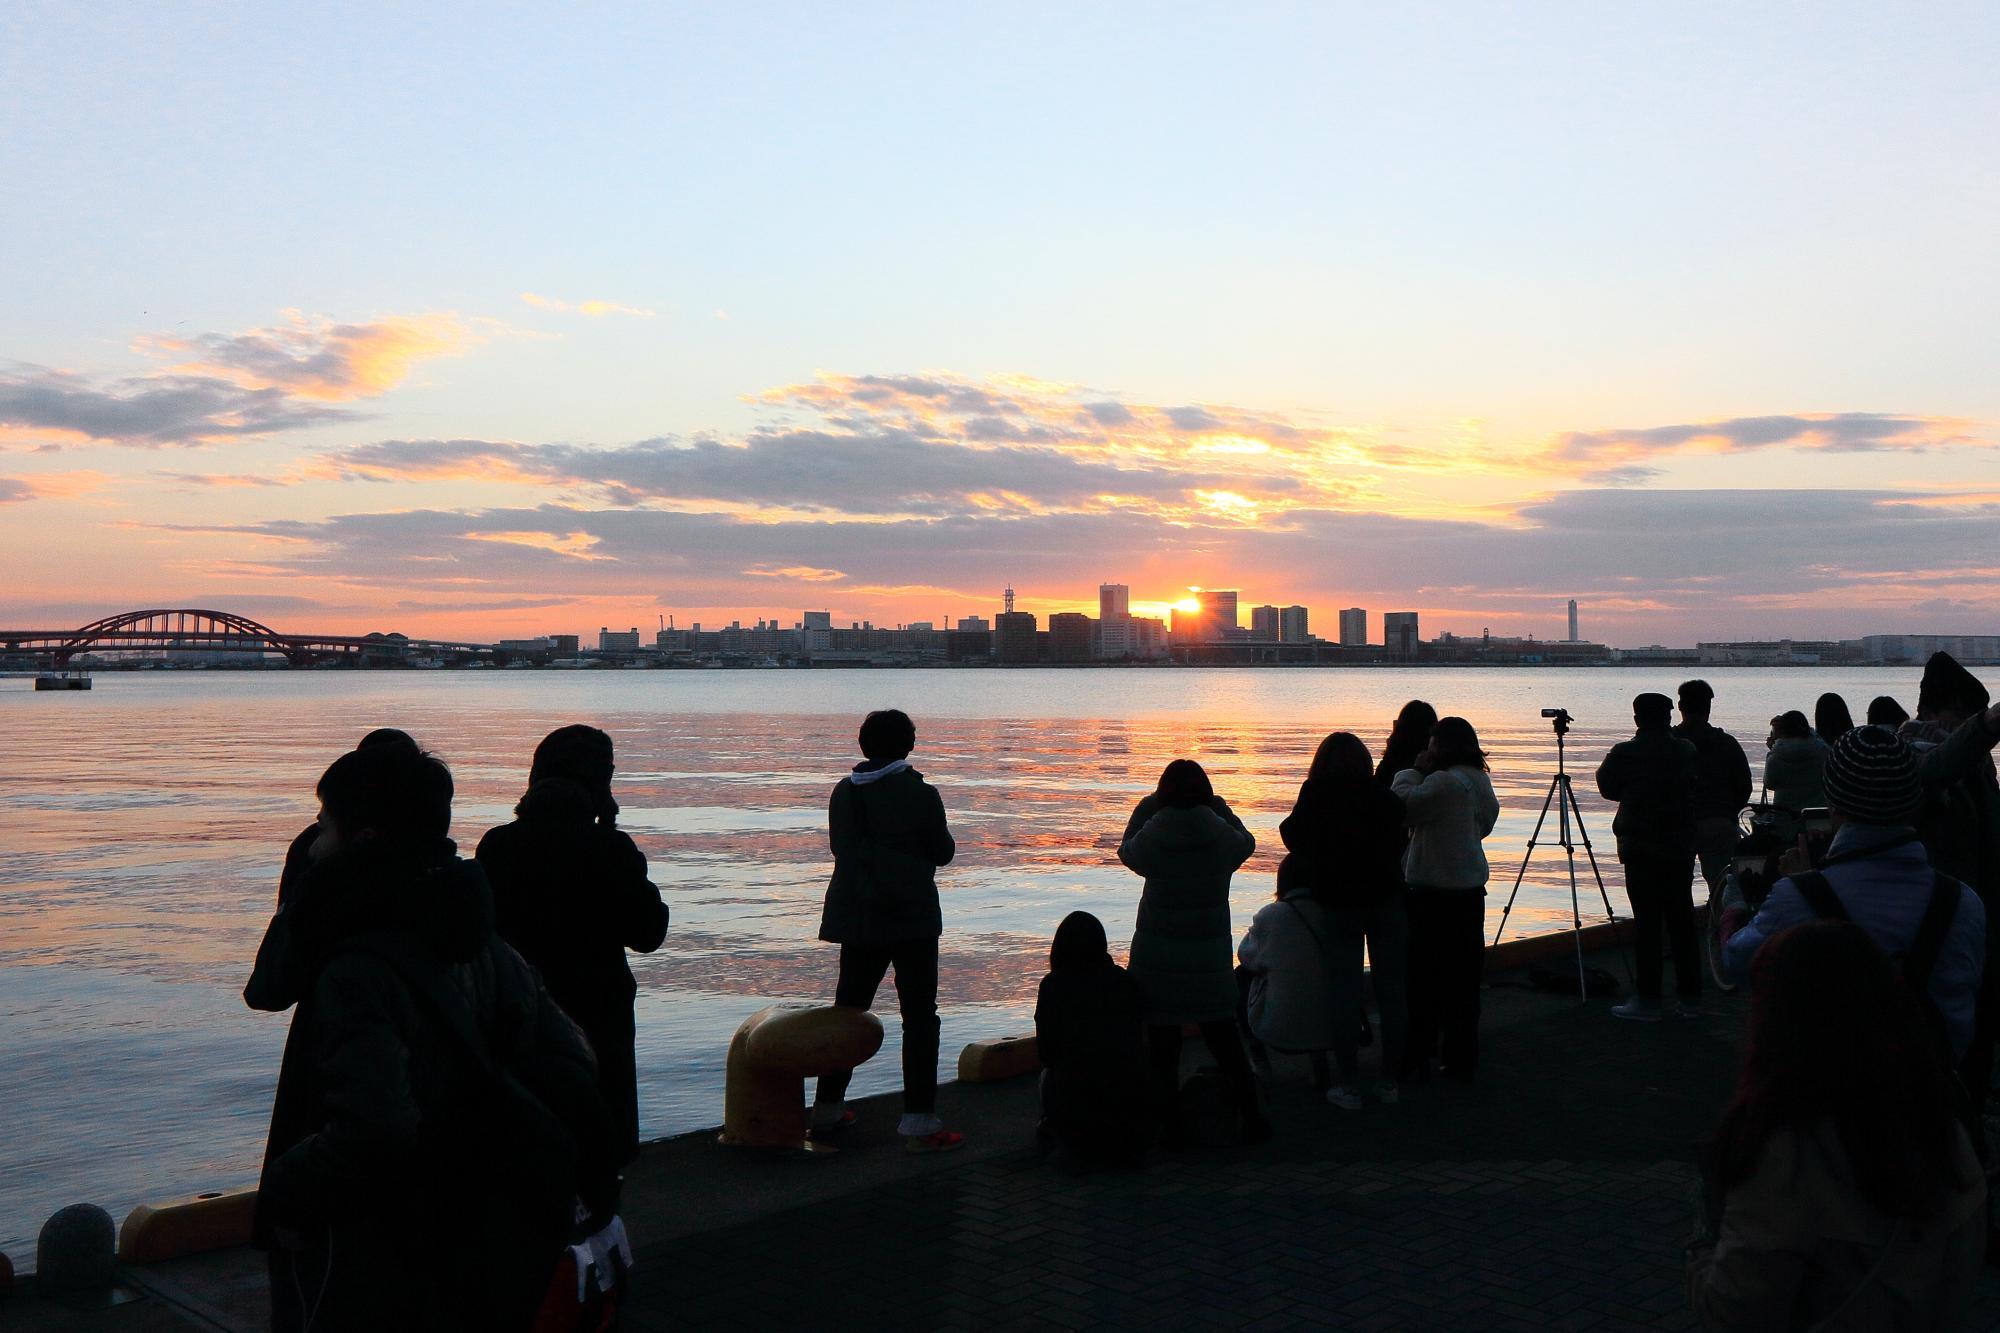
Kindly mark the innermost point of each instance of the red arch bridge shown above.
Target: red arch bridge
(188, 630)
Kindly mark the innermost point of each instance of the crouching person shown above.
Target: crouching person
(1088, 1036)
(438, 1116)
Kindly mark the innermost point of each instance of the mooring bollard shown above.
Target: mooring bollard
(770, 1058)
(77, 1250)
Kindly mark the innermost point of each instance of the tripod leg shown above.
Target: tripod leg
(1575, 911)
(1627, 957)
(1520, 874)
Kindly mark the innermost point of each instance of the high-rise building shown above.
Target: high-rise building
(1572, 620)
(1264, 622)
(1399, 632)
(1069, 636)
(1292, 625)
(1354, 627)
(1113, 599)
(1218, 608)
(1014, 636)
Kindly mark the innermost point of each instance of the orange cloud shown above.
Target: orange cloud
(594, 309)
(315, 358)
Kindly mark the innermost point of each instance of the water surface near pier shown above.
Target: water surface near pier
(142, 825)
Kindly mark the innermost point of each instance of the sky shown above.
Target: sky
(480, 321)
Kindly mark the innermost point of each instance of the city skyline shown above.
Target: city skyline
(572, 322)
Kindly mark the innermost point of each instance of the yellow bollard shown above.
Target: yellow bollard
(771, 1056)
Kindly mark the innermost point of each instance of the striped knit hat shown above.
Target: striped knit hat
(1871, 778)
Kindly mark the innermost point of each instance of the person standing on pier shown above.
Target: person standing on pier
(571, 892)
(1722, 783)
(1449, 803)
(1187, 843)
(887, 828)
(1653, 778)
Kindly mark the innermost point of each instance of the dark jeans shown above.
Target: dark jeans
(1661, 903)
(861, 972)
(1447, 960)
(1385, 926)
(1164, 1041)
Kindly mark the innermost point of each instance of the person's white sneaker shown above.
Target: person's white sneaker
(1638, 1010)
(1346, 1098)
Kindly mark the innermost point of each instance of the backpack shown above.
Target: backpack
(539, 1214)
(1919, 960)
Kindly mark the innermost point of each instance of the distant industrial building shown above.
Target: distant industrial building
(1967, 648)
(974, 625)
(1354, 627)
(1572, 620)
(1069, 637)
(1014, 639)
(617, 641)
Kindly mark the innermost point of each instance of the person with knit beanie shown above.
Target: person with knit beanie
(1878, 875)
(1953, 733)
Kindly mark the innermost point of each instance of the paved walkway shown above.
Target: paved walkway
(1554, 1193)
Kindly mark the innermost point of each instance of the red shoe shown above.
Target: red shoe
(942, 1141)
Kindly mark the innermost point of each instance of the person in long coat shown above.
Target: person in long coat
(1187, 843)
(571, 893)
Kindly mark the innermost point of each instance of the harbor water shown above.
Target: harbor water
(142, 825)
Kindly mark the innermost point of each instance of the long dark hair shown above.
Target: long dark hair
(1457, 744)
(1184, 784)
(1407, 739)
(1837, 1039)
(579, 755)
(1791, 725)
(1831, 718)
(1341, 758)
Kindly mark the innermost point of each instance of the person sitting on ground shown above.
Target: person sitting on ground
(1653, 778)
(1831, 718)
(1187, 843)
(1345, 838)
(1954, 734)
(887, 829)
(570, 892)
(1088, 1037)
(1793, 768)
(1842, 1190)
(1286, 964)
(1884, 711)
(383, 1200)
(1722, 783)
(1877, 875)
(1448, 800)
(1408, 736)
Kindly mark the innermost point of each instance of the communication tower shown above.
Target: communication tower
(1008, 597)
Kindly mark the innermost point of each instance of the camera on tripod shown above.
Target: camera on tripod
(1559, 717)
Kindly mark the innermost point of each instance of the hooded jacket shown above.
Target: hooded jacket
(571, 894)
(889, 836)
(1292, 991)
(1181, 948)
(1450, 813)
(373, 1154)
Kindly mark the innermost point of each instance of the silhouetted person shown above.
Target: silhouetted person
(887, 829)
(1449, 802)
(1831, 718)
(387, 1198)
(1884, 711)
(1793, 766)
(299, 854)
(1953, 734)
(1877, 875)
(1407, 739)
(1842, 1190)
(1722, 783)
(1089, 1038)
(1653, 778)
(1187, 842)
(1345, 839)
(570, 892)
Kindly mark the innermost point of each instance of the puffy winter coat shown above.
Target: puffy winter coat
(1181, 949)
(889, 837)
(1450, 813)
(1653, 778)
(1291, 975)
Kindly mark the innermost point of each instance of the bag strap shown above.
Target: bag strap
(1819, 896)
(1922, 956)
(1306, 921)
(1868, 853)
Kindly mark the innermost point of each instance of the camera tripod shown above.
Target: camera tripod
(1563, 797)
